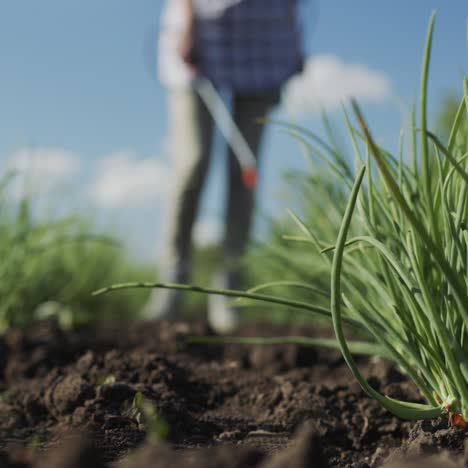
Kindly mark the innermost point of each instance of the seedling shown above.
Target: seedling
(145, 413)
(108, 380)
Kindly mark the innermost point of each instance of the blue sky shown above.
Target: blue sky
(77, 97)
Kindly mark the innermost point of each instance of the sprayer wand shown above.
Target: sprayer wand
(229, 129)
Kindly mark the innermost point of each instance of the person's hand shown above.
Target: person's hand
(186, 47)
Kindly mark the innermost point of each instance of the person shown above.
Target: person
(248, 48)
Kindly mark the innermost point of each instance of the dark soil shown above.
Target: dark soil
(66, 400)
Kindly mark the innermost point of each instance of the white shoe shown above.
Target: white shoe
(163, 304)
(223, 317)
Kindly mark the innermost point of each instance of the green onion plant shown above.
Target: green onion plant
(395, 259)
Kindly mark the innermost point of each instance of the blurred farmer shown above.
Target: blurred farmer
(248, 48)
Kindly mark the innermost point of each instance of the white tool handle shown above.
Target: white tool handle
(225, 122)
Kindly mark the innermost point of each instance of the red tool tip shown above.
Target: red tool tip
(249, 177)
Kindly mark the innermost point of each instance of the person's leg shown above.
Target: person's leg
(240, 206)
(191, 131)
(241, 200)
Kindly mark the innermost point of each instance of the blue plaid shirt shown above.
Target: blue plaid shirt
(250, 46)
(253, 46)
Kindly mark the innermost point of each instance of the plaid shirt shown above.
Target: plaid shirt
(247, 46)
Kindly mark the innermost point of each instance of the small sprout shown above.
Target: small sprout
(145, 413)
(109, 380)
(34, 443)
(5, 396)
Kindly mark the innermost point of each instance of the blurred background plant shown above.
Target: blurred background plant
(50, 266)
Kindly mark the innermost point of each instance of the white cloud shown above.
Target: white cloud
(327, 81)
(45, 163)
(207, 232)
(123, 179)
(41, 170)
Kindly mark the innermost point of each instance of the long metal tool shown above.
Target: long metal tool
(229, 129)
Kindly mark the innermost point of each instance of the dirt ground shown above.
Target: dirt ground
(66, 401)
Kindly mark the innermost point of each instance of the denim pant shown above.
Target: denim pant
(191, 127)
